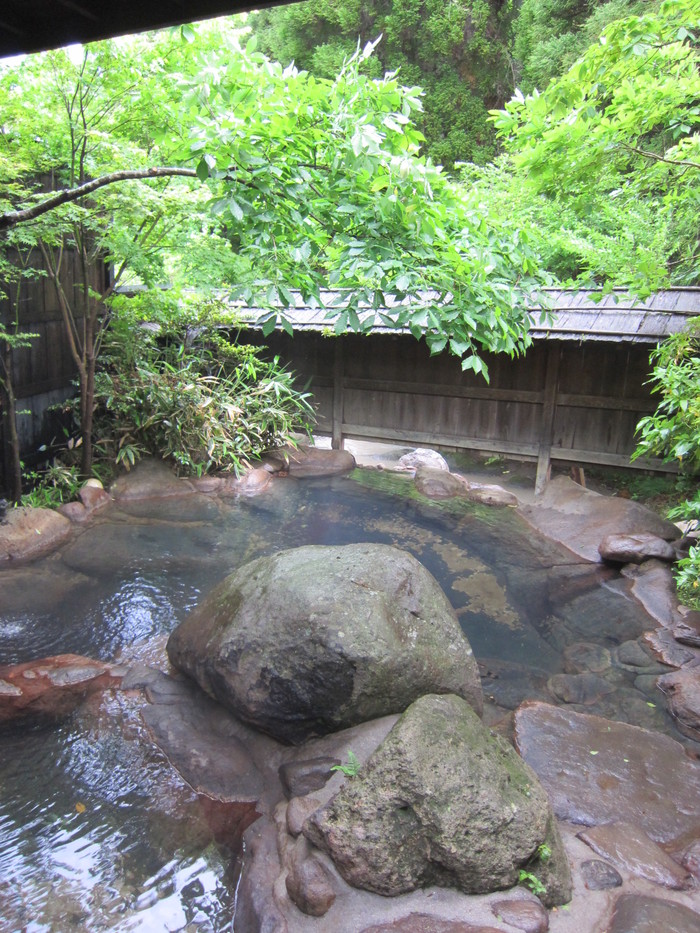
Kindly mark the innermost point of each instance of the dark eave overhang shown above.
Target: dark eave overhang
(37, 25)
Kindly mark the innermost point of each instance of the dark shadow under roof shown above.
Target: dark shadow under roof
(37, 25)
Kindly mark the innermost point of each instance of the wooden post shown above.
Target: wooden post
(338, 375)
(549, 407)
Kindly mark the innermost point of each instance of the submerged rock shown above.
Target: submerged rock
(51, 687)
(315, 639)
(442, 801)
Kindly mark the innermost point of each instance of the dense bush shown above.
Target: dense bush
(171, 385)
(673, 432)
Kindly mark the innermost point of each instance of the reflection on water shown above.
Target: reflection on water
(96, 832)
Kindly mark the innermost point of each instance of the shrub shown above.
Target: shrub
(173, 386)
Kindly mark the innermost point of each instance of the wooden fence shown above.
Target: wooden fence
(577, 402)
(43, 373)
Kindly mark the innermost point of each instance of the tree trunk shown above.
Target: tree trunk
(11, 453)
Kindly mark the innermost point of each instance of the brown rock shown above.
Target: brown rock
(51, 687)
(629, 848)
(148, 480)
(635, 548)
(599, 771)
(93, 496)
(652, 584)
(636, 913)
(74, 511)
(527, 915)
(691, 859)
(598, 876)
(27, 533)
(682, 689)
(249, 484)
(302, 777)
(310, 886)
(491, 495)
(423, 923)
(304, 461)
(666, 649)
(299, 809)
(437, 484)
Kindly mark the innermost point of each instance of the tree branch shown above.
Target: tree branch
(652, 155)
(73, 194)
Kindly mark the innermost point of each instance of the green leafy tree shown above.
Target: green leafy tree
(81, 124)
(324, 185)
(550, 35)
(622, 125)
(311, 183)
(457, 52)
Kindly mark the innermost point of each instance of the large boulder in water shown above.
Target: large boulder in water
(316, 639)
(443, 801)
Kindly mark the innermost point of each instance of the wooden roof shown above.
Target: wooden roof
(573, 315)
(36, 25)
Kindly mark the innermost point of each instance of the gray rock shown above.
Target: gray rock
(635, 548)
(630, 654)
(314, 639)
(422, 457)
(635, 913)
(442, 801)
(598, 876)
(629, 848)
(600, 771)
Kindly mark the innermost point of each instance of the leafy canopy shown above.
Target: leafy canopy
(321, 183)
(622, 125)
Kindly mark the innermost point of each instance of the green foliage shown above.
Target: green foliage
(621, 125)
(174, 387)
(457, 52)
(352, 768)
(52, 486)
(354, 206)
(549, 35)
(673, 431)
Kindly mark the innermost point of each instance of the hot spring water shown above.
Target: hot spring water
(96, 833)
